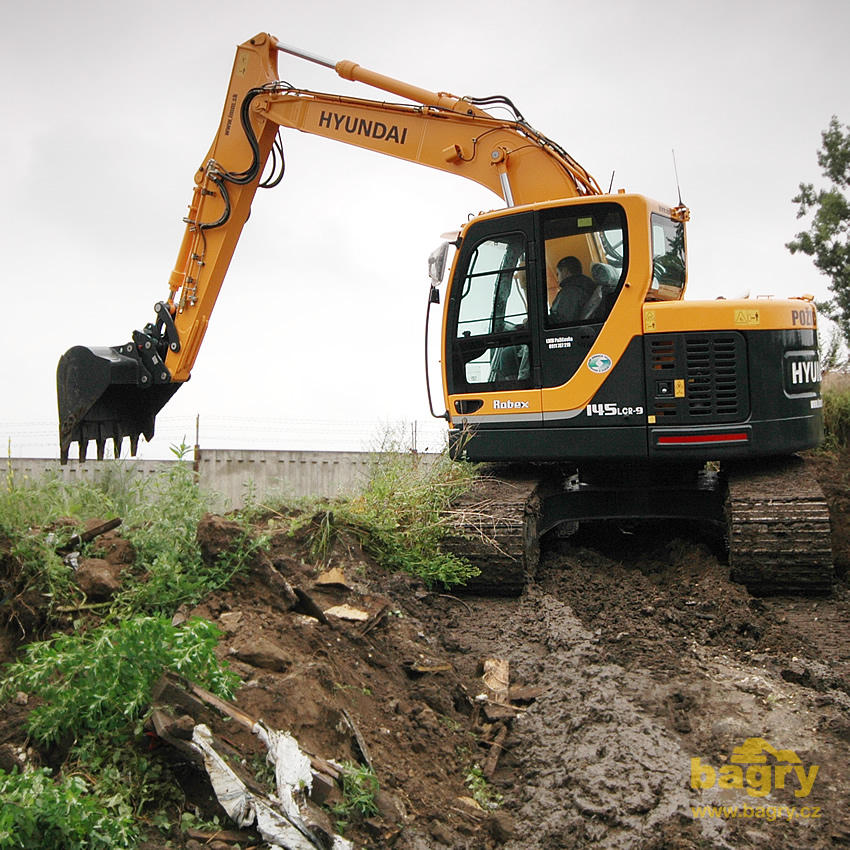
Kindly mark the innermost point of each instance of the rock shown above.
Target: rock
(440, 832)
(390, 807)
(501, 827)
(217, 536)
(230, 621)
(98, 579)
(263, 653)
(115, 549)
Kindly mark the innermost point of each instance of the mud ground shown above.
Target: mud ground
(646, 666)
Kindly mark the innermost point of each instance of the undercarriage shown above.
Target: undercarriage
(771, 515)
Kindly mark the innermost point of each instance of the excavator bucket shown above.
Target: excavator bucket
(106, 394)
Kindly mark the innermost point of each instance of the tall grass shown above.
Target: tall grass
(401, 515)
(836, 416)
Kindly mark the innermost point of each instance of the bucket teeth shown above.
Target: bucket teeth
(106, 394)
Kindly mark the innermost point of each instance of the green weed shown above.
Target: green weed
(482, 792)
(99, 683)
(360, 787)
(836, 418)
(39, 812)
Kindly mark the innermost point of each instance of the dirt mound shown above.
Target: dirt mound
(650, 703)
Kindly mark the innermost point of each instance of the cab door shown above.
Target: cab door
(491, 353)
(584, 266)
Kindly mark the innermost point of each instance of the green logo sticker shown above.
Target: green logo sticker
(599, 363)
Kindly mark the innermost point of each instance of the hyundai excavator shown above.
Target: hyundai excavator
(570, 360)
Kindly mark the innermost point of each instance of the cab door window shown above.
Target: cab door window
(493, 341)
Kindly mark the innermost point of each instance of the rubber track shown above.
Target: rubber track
(495, 528)
(779, 532)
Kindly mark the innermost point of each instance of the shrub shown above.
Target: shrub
(100, 682)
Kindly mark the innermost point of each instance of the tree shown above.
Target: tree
(828, 236)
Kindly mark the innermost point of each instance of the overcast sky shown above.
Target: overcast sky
(109, 106)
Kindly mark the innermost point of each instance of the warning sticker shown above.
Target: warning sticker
(747, 317)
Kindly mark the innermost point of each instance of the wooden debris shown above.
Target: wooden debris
(375, 620)
(497, 678)
(414, 669)
(347, 612)
(185, 715)
(495, 711)
(359, 740)
(524, 693)
(307, 605)
(496, 748)
(86, 536)
(228, 836)
(333, 577)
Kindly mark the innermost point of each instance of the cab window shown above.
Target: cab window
(669, 270)
(585, 263)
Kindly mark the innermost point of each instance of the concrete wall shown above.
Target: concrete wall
(298, 473)
(231, 474)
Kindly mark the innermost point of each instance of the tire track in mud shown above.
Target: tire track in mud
(596, 770)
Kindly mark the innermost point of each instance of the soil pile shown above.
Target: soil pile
(649, 702)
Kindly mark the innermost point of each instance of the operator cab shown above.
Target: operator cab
(532, 289)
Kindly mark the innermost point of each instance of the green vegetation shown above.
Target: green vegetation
(400, 515)
(359, 790)
(99, 682)
(38, 812)
(836, 417)
(93, 682)
(482, 792)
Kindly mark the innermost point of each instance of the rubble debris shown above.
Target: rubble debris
(291, 820)
(347, 612)
(334, 577)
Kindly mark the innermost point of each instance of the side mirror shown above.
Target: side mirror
(437, 263)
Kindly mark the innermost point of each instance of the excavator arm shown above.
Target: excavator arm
(116, 392)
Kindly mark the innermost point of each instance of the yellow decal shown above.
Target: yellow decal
(747, 317)
(679, 388)
(651, 419)
(242, 64)
(649, 320)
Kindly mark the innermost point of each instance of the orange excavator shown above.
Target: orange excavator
(566, 340)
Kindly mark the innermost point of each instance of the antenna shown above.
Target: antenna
(611, 184)
(676, 172)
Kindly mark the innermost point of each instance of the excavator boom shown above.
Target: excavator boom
(112, 393)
